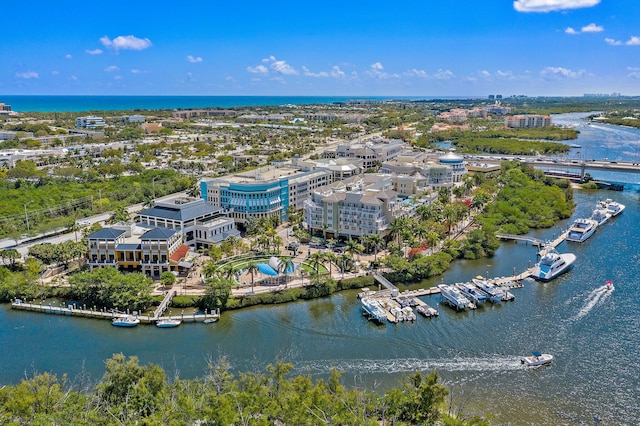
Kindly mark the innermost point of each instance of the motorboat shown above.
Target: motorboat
(125, 321)
(451, 296)
(493, 292)
(581, 229)
(210, 320)
(427, 311)
(536, 359)
(408, 314)
(473, 293)
(600, 215)
(609, 285)
(373, 310)
(552, 264)
(168, 323)
(613, 207)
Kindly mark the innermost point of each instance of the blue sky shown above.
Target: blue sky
(333, 48)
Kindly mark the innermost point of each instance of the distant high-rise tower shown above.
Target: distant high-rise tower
(491, 97)
(498, 96)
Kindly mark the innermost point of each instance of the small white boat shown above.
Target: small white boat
(125, 321)
(610, 286)
(581, 229)
(493, 292)
(210, 320)
(600, 215)
(536, 359)
(168, 323)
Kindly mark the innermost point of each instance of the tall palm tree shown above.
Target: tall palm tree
(354, 247)
(396, 227)
(252, 268)
(330, 257)
(316, 258)
(375, 241)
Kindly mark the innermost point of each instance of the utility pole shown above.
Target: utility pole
(26, 215)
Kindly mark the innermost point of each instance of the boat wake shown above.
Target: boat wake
(400, 365)
(595, 298)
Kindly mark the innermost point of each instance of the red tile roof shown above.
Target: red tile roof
(180, 253)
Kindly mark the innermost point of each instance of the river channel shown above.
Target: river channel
(593, 336)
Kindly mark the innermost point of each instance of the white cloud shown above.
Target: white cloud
(592, 28)
(117, 77)
(633, 69)
(377, 66)
(443, 74)
(306, 72)
(194, 60)
(27, 75)
(634, 75)
(633, 41)
(336, 72)
(260, 69)
(570, 30)
(504, 74)
(111, 68)
(485, 74)
(612, 42)
(137, 71)
(94, 51)
(129, 42)
(560, 73)
(55, 72)
(278, 67)
(551, 5)
(376, 71)
(74, 78)
(414, 72)
(68, 56)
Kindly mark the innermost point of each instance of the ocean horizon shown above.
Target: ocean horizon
(80, 103)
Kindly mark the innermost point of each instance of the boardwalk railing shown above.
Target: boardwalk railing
(534, 241)
(164, 305)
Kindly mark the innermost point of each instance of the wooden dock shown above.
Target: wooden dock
(72, 310)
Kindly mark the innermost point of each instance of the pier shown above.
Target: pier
(72, 310)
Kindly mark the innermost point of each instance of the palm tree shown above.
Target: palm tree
(120, 214)
(396, 227)
(354, 247)
(252, 268)
(317, 259)
(74, 227)
(331, 258)
(210, 269)
(375, 241)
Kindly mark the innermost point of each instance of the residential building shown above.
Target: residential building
(201, 223)
(372, 152)
(90, 122)
(356, 207)
(126, 119)
(414, 172)
(526, 121)
(193, 113)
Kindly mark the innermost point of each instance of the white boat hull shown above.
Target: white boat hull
(534, 361)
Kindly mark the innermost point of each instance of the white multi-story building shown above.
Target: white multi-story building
(526, 121)
(355, 207)
(90, 122)
(371, 152)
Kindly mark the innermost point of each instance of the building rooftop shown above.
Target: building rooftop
(106, 234)
(157, 234)
(180, 209)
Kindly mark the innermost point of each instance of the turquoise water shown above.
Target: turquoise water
(593, 336)
(115, 103)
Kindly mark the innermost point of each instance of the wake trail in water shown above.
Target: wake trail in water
(399, 365)
(595, 298)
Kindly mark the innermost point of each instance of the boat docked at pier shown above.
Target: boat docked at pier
(552, 264)
(600, 215)
(373, 310)
(612, 207)
(536, 359)
(582, 229)
(427, 311)
(168, 323)
(125, 321)
(473, 293)
(450, 295)
(494, 293)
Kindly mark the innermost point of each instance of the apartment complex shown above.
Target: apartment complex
(525, 121)
(356, 207)
(264, 192)
(371, 152)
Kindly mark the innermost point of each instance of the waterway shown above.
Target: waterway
(593, 335)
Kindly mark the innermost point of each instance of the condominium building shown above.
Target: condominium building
(356, 207)
(90, 122)
(525, 121)
(201, 223)
(264, 192)
(371, 152)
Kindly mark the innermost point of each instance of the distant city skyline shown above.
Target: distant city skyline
(374, 48)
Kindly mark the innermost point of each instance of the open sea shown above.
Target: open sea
(59, 103)
(594, 335)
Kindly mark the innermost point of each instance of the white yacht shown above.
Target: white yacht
(451, 296)
(613, 207)
(125, 321)
(493, 292)
(582, 229)
(552, 264)
(600, 215)
(473, 293)
(168, 323)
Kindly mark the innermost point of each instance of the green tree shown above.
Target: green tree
(167, 279)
